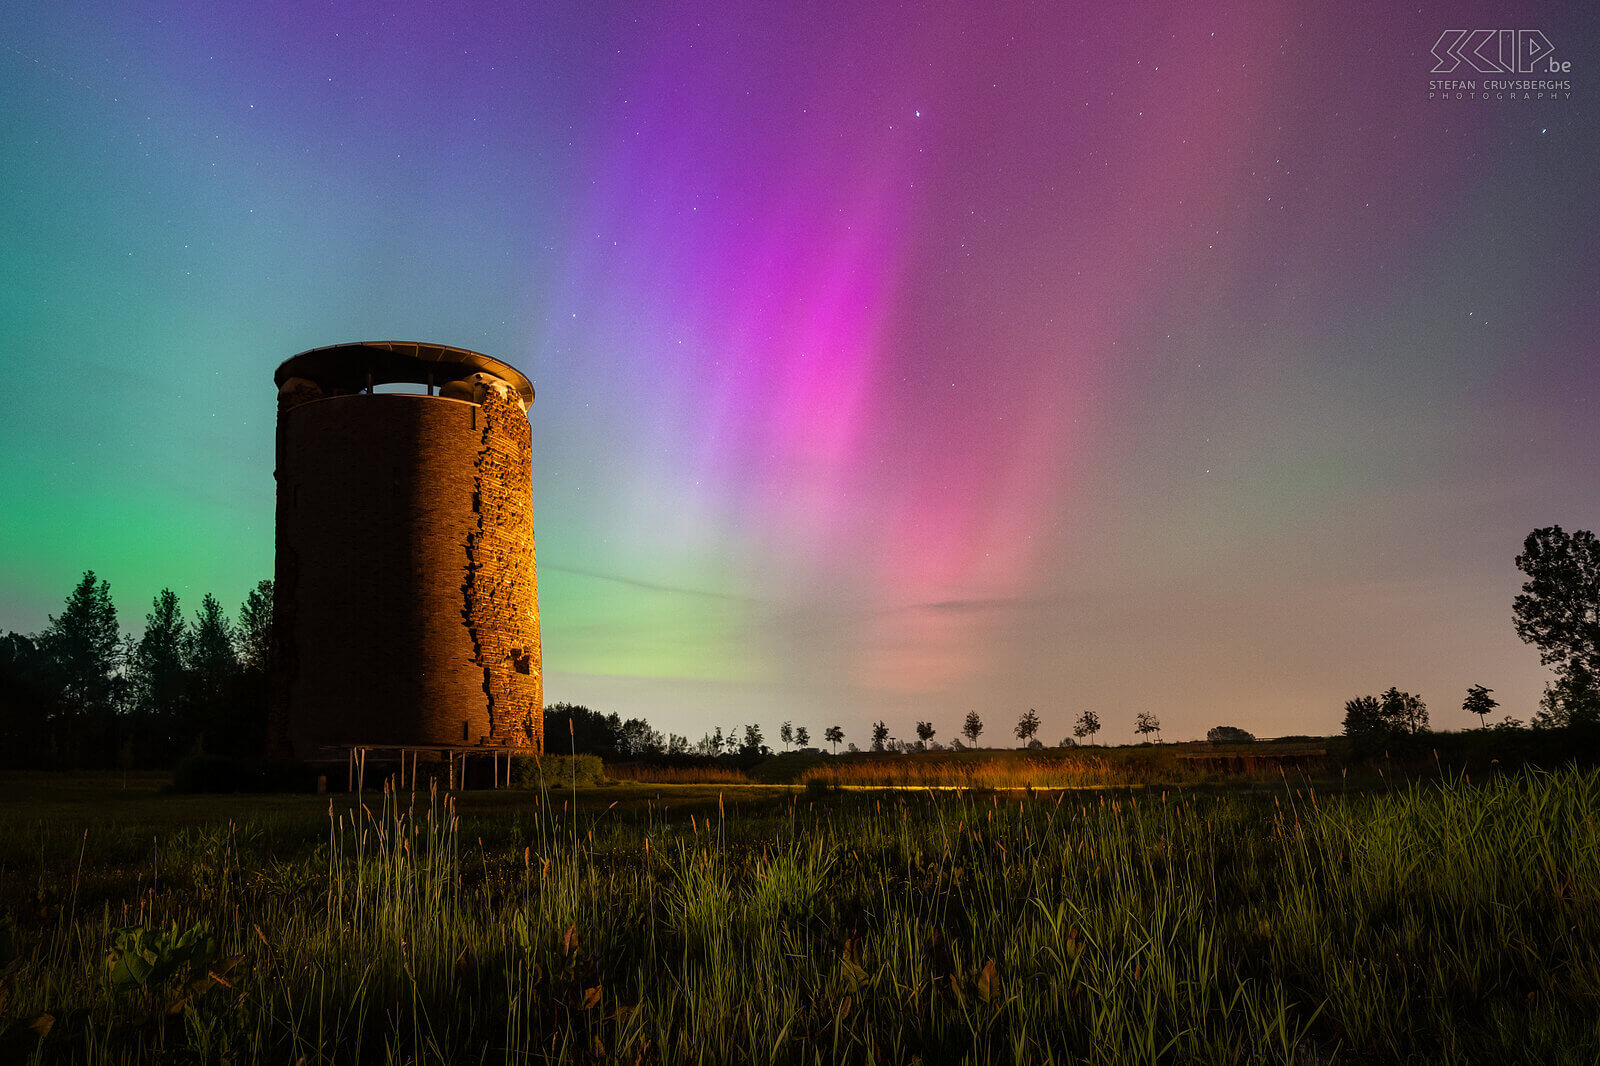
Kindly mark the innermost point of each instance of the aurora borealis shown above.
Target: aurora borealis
(891, 360)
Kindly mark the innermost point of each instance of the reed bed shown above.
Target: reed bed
(1010, 771)
(678, 775)
(1441, 922)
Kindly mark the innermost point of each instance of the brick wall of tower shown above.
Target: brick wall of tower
(407, 604)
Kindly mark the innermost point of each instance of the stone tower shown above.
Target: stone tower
(406, 607)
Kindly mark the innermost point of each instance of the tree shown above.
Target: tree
(212, 665)
(925, 733)
(636, 738)
(1374, 720)
(1027, 726)
(1480, 703)
(212, 656)
(802, 737)
(786, 734)
(575, 728)
(1572, 699)
(1146, 724)
(28, 697)
(835, 736)
(972, 727)
(243, 730)
(1559, 608)
(1088, 725)
(752, 741)
(880, 734)
(1363, 716)
(157, 667)
(1229, 734)
(254, 632)
(1406, 712)
(85, 649)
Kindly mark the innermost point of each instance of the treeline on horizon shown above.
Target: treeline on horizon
(81, 693)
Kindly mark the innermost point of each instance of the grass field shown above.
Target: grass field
(1441, 922)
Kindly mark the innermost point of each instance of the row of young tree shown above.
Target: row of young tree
(1085, 729)
(587, 732)
(81, 692)
(635, 739)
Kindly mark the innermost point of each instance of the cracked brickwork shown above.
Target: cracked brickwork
(406, 608)
(501, 593)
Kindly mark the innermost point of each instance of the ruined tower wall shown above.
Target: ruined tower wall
(501, 592)
(407, 603)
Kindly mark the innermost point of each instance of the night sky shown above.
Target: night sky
(892, 360)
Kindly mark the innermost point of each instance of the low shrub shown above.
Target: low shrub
(556, 771)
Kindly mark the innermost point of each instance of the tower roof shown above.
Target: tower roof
(346, 366)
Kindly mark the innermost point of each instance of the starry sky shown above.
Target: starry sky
(892, 360)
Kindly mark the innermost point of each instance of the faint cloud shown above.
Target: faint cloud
(651, 585)
(970, 606)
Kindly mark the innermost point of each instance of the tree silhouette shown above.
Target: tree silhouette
(1229, 734)
(157, 667)
(1479, 702)
(28, 695)
(880, 733)
(835, 736)
(1087, 726)
(786, 734)
(1363, 716)
(752, 740)
(254, 631)
(213, 666)
(1559, 607)
(972, 727)
(587, 732)
(85, 649)
(1407, 712)
(802, 737)
(1374, 720)
(1027, 726)
(1571, 699)
(925, 733)
(211, 656)
(1148, 723)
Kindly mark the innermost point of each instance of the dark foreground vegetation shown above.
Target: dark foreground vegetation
(1449, 921)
